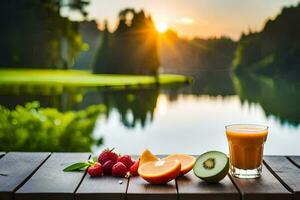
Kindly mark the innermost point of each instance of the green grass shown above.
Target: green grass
(77, 78)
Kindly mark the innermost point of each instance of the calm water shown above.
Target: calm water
(193, 125)
(192, 120)
(186, 119)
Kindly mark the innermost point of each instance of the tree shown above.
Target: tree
(132, 48)
(34, 35)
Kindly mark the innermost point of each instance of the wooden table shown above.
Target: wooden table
(39, 176)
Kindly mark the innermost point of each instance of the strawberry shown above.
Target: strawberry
(126, 160)
(107, 167)
(134, 168)
(119, 170)
(107, 155)
(95, 170)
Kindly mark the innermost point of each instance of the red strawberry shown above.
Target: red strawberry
(95, 170)
(107, 167)
(126, 160)
(134, 168)
(107, 155)
(119, 169)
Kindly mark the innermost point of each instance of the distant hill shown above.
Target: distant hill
(197, 55)
(276, 49)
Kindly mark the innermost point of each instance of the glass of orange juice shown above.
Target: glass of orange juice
(246, 144)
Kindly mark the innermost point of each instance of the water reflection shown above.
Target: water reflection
(155, 112)
(194, 124)
(134, 106)
(55, 96)
(211, 82)
(279, 97)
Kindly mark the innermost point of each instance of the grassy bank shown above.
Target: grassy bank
(77, 78)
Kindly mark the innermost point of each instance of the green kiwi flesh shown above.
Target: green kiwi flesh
(211, 166)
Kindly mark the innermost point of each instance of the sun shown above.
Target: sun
(161, 27)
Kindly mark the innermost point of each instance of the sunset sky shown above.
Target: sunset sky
(201, 18)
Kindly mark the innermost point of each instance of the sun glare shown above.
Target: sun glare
(161, 27)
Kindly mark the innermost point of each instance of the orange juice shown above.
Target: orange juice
(246, 142)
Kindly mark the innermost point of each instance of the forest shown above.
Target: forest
(33, 39)
(274, 50)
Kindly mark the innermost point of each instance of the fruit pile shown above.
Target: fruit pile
(211, 166)
(108, 163)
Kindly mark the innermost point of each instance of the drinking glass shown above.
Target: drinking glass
(246, 144)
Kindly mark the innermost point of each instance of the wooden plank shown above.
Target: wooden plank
(190, 187)
(15, 169)
(264, 188)
(2, 154)
(286, 171)
(50, 182)
(139, 189)
(106, 188)
(295, 160)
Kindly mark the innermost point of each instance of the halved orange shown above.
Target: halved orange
(147, 156)
(160, 172)
(187, 161)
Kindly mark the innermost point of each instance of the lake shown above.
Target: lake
(194, 124)
(185, 119)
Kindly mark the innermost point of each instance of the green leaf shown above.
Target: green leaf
(95, 158)
(81, 166)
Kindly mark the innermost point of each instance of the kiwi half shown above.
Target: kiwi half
(211, 166)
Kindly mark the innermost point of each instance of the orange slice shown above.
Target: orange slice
(160, 172)
(187, 161)
(147, 156)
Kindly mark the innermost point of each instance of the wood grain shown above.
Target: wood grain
(295, 160)
(50, 182)
(286, 171)
(139, 189)
(15, 169)
(36, 176)
(265, 188)
(106, 188)
(190, 187)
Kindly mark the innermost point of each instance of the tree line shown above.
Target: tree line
(35, 35)
(274, 50)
